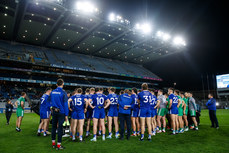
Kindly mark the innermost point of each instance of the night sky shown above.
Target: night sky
(203, 24)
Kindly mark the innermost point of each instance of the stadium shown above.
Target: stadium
(43, 42)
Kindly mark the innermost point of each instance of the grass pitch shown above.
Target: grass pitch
(205, 140)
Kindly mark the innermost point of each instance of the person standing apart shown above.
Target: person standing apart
(59, 103)
(20, 103)
(211, 104)
(125, 103)
(9, 110)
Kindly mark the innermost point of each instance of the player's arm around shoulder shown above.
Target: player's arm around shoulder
(108, 103)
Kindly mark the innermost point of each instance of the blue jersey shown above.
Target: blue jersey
(174, 100)
(78, 102)
(98, 99)
(114, 100)
(89, 97)
(59, 100)
(125, 100)
(145, 99)
(45, 103)
(135, 102)
(153, 101)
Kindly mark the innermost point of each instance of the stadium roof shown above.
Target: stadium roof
(49, 24)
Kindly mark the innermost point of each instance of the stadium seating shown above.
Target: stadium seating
(28, 53)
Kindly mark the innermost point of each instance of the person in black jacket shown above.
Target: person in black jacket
(9, 110)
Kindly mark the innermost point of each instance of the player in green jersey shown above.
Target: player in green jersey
(185, 99)
(181, 111)
(167, 111)
(20, 103)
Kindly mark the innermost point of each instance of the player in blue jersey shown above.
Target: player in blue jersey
(78, 101)
(88, 94)
(99, 100)
(173, 102)
(44, 112)
(135, 113)
(113, 112)
(144, 98)
(153, 107)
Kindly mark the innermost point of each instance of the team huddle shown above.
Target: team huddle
(133, 110)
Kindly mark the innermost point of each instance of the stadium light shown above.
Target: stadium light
(166, 37)
(86, 7)
(112, 17)
(160, 34)
(117, 18)
(163, 35)
(145, 27)
(179, 41)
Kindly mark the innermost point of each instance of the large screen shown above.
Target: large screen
(222, 81)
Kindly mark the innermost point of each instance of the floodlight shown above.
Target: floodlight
(178, 41)
(166, 37)
(137, 26)
(160, 34)
(145, 28)
(86, 7)
(112, 17)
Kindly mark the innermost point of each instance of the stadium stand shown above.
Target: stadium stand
(38, 55)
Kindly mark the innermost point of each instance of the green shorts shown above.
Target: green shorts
(192, 112)
(162, 111)
(186, 112)
(20, 112)
(180, 111)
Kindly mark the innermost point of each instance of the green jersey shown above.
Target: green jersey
(167, 99)
(19, 102)
(186, 102)
(181, 101)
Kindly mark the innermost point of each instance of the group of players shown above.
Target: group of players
(147, 108)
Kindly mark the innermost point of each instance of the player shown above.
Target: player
(192, 110)
(89, 110)
(162, 111)
(78, 101)
(113, 112)
(173, 102)
(153, 107)
(185, 99)
(99, 100)
(167, 110)
(45, 112)
(20, 103)
(180, 111)
(144, 99)
(70, 107)
(135, 113)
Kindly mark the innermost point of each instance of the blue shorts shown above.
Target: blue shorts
(153, 112)
(135, 112)
(44, 114)
(113, 112)
(78, 115)
(145, 112)
(98, 113)
(173, 111)
(89, 113)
